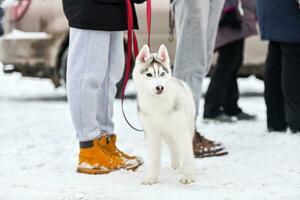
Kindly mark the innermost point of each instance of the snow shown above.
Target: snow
(38, 153)
(21, 35)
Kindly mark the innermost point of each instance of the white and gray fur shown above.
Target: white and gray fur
(167, 112)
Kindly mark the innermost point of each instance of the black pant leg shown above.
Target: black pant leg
(222, 80)
(291, 83)
(231, 105)
(273, 90)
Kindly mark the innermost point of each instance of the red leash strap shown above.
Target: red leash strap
(131, 38)
(129, 45)
(149, 20)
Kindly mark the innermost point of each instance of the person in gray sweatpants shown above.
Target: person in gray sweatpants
(196, 30)
(95, 65)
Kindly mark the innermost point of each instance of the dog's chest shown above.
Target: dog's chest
(161, 115)
(158, 109)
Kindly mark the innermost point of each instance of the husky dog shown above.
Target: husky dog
(167, 111)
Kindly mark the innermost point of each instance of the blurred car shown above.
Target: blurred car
(36, 39)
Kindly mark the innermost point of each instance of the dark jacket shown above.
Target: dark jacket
(104, 15)
(247, 27)
(279, 20)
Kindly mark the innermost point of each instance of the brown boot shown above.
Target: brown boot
(207, 148)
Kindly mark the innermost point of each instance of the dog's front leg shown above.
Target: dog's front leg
(185, 150)
(175, 163)
(153, 142)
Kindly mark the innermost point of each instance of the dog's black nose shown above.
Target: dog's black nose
(159, 88)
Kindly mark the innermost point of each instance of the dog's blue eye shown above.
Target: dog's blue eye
(163, 74)
(149, 75)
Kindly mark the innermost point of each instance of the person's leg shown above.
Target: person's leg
(231, 104)
(223, 79)
(291, 83)
(107, 91)
(273, 89)
(88, 72)
(191, 52)
(215, 11)
(87, 66)
(191, 60)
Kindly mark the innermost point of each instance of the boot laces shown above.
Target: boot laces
(101, 147)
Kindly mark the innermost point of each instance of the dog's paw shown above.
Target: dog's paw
(149, 180)
(188, 179)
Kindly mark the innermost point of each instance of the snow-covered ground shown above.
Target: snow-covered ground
(38, 153)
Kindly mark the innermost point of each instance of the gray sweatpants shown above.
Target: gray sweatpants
(95, 65)
(196, 30)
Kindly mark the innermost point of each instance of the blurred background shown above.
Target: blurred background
(35, 39)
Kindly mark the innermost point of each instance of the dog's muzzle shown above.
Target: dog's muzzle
(159, 89)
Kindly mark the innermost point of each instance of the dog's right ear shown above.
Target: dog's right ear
(144, 54)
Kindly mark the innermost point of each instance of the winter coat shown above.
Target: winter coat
(248, 25)
(104, 15)
(279, 20)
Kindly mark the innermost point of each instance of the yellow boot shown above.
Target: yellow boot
(94, 158)
(132, 162)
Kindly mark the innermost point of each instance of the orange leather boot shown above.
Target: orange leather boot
(94, 158)
(133, 162)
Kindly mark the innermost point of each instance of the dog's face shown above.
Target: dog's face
(152, 71)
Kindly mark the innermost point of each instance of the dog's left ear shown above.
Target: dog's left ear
(144, 54)
(163, 54)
